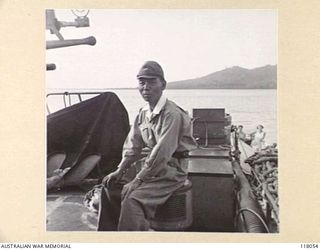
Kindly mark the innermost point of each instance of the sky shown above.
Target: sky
(187, 43)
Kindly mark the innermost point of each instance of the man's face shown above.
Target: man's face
(151, 89)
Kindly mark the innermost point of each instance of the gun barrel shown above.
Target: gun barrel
(51, 66)
(71, 42)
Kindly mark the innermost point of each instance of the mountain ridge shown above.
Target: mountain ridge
(235, 77)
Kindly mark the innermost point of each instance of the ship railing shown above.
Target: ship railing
(68, 100)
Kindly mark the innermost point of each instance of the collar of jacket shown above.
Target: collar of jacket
(157, 109)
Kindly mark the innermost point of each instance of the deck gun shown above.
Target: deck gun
(54, 25)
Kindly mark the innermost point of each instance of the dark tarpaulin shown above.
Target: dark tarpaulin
(98, 125)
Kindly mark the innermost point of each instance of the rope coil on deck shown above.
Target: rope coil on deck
(264, 182)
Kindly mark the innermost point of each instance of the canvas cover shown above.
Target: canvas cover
(96, 126)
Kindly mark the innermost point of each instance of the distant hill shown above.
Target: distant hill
(232, 78)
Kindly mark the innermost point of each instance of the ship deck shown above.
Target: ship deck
(66, 212)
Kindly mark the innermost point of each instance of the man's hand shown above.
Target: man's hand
(111, 178)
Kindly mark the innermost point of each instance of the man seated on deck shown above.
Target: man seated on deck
(165, 129)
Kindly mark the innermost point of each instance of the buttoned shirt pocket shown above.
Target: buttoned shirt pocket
(147, 135)
(144, 132)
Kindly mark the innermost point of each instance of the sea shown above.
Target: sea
(247, 107)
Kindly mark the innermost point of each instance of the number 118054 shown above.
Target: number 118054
(309, 245)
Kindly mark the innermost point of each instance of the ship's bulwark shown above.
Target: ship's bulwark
(95, 126)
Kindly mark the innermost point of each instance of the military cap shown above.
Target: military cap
(151, 69)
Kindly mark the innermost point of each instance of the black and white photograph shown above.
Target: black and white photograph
(162, 120)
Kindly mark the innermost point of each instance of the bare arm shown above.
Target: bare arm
(131, 153)
(127, 162)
